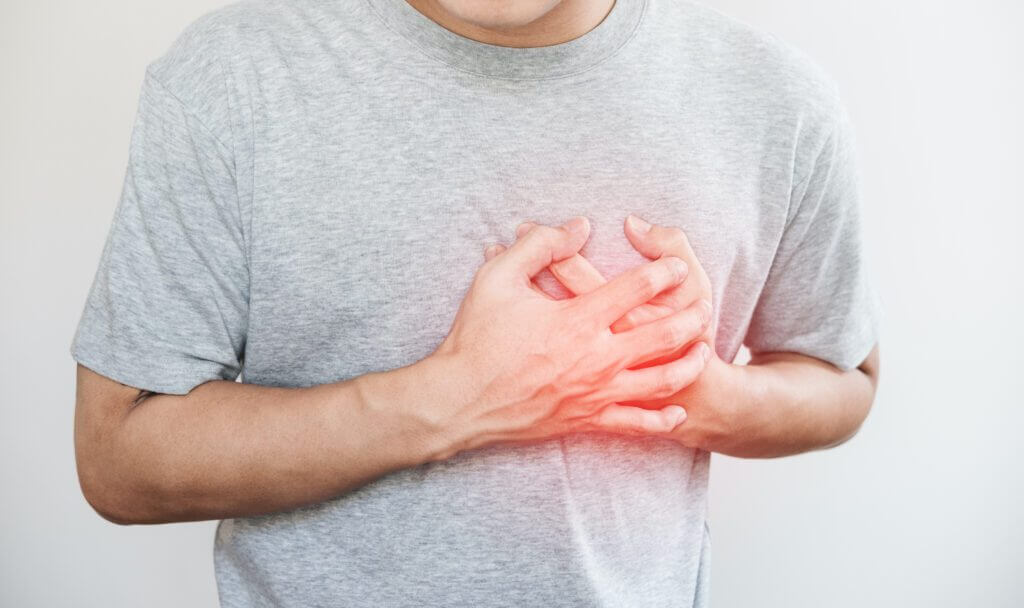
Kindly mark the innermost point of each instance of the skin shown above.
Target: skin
(516, 367)
(777, 405)
(516, 23)
(617, 358)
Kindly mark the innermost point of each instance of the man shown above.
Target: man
(310, 187)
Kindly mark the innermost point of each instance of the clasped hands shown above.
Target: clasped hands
(633, 355)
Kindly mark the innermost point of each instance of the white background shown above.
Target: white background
(921, 508)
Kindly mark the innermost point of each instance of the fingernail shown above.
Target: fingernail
(705, 351)
(638, 224)
(523, 228)
(679, 267)
(576, 224)
(490, 251)
(680, 417)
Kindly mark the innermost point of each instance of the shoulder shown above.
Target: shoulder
(247, 35)
(757, 77)
(206, 63)
(755, 73)
(193, 69)
(747, 58)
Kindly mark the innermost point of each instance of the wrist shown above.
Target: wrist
(418, 402)
(725, 401)
(756, 422)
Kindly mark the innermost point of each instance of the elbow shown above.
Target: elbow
(100, 494)
(858, 416)
(114, 469)
(867, 373)
(855, 427)
(126, 497)
(117, 495)
(112, 515)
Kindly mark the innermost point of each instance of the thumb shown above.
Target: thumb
(630, 420)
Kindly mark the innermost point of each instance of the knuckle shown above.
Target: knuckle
(613, 364)
(649, 281)
(653, 423)
(685, 374)
(695, 321)
(594, 422)
(678, 380)
(675, 237)
(676, 268)
(640, 425)
(679, 329)
(665, 385)
(673, 333)
(704, 313)
(586, 424)
(679, 377)
(545, 232)
(675, 232)
(524, 227)
(595, 399)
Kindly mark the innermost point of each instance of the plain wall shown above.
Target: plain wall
(921, 508)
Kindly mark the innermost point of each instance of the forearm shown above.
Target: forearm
(783, 404)
(228, 449)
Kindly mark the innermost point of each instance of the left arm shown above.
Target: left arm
(777, 405)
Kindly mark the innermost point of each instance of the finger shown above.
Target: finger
(542, 246)
(664, 336)
(637, 420)
(534, 286)
(654, 241)
(493, 251)
(645, 313)
(659, 381)
(523, 228)
(577, 274)
(630, 289)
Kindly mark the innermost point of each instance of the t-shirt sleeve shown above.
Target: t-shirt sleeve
(818, 299)
(168, 306)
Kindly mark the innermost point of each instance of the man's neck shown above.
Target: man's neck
(567, 21)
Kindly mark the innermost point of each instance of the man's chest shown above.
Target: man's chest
(369, 221)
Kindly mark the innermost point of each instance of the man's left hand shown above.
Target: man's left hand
(708, 418)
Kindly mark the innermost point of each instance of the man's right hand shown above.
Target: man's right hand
(516, 366)
(522, 366)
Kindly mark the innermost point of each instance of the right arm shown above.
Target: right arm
(228, 449)
(516, 366)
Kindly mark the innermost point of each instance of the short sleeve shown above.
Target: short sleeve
(818, 299)
(168, 306)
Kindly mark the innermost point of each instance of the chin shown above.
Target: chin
(499, 14)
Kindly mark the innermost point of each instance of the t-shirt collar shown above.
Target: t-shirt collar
(528, 63)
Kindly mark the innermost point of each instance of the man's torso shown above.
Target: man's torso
(372, 175)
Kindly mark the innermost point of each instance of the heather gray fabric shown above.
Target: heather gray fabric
(310, 188)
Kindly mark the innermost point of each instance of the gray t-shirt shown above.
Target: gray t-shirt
(309, 191)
